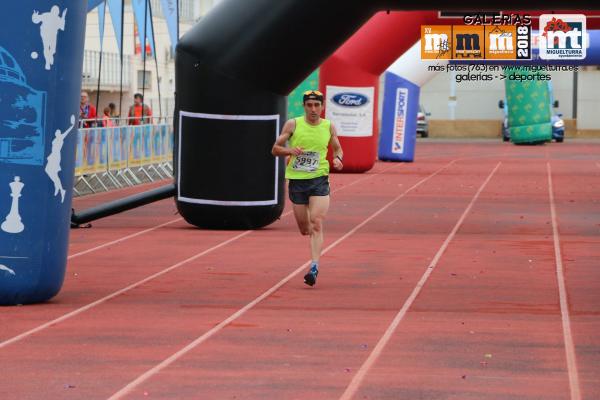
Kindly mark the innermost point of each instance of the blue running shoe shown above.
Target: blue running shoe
(311, 278)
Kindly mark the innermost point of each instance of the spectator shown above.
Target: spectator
(87, 112)
(139, 113)
(113, 110)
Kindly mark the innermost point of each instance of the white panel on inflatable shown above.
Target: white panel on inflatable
(410, 66)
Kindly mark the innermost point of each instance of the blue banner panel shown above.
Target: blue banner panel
(40, 82)
(169, 9)
(398, 134)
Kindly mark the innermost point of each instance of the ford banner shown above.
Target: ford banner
(350, 109)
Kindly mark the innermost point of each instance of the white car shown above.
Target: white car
(422, 124)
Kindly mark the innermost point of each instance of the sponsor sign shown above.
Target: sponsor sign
(562, 37)
(400, 120)
(350, 109)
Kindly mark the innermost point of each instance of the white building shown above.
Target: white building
(158, 71)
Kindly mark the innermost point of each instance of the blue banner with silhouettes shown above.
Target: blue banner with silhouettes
(41, 54)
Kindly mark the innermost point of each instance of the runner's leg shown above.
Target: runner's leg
(317, 210)
(302, 218)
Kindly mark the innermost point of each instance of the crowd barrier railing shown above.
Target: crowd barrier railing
(118, 155)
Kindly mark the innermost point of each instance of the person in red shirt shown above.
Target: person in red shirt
(87, 112)
(139, 113)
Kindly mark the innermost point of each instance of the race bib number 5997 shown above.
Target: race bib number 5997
(307, 162)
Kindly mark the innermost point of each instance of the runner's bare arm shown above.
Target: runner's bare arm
(338, 153)
(279, 148)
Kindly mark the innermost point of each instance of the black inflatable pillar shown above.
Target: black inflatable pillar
(233, 71)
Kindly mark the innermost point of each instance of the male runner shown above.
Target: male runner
(308, 171)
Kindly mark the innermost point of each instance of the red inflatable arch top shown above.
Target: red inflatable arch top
(360, 61)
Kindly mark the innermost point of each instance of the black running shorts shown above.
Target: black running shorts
(301, 189)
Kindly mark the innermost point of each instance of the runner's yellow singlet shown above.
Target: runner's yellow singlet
(313, 139)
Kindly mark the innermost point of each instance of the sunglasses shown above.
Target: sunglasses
(315, 92)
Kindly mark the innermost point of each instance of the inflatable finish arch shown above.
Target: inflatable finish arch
(233, 71)
(358, 63)
(402, 88)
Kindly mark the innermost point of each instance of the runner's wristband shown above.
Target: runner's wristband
(339, 158)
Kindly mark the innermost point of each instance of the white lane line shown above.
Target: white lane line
(117, 293)
(140, 282)
(191, 346)
(168, 269)
(378, 349)
(562, 292)
(124, 238)
(131, 236)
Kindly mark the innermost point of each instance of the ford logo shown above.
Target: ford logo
(348, 99)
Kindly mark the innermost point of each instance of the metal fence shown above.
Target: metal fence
(112, 154)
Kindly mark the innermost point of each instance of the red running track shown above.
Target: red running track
(469, 274)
